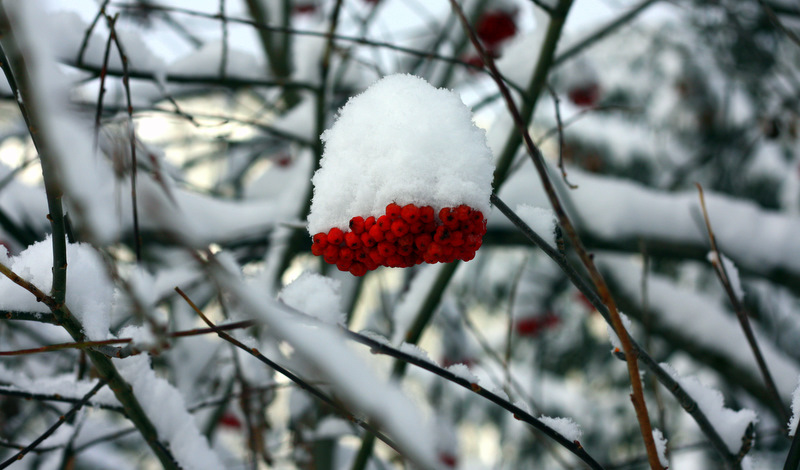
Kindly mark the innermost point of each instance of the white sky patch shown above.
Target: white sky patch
(795, 410)
(729, 424)
(564, 426)
(166, 409)
(541, 220)
(401, 141)
(661, 447)
(90, 292)
(731, 271)
(315, 295)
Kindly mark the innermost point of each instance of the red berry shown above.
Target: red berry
(321, 239)
(399, 227)
(447, 252)
(357, 224)
(352, 240)
(462, 212)
(532, 326)
(393, 211)
(585, 95)
(344, 265)
(416, 227)
(316, 249)
(304, 8)
(368, 223)
(376, 233)
(390, 236)
(410, 213)
(230, 420)
(435, 249)
(406, 240)
(494, 27)
(331, 254)
(467, 256)
(426, 214)
(346, 254)
(442, 235)
(358, 269)
(395, 261)
(423, 241)
(385, 223)
(335, 236)
(370, 264)
(386, 249)
(476, 216)
(405, 250)
(367, 240)
(376, 257)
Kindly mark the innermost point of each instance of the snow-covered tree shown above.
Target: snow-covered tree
(350, 234)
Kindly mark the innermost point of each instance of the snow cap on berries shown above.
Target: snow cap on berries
(401, 141)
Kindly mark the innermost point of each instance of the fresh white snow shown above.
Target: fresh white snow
(564, 426)
(90, 292)
(541, 220)
(795, 410)
(661, 447)
(731, 272)
(315, 295)
(612, 335)
(164, 406)
(403, 141)
(729, 424)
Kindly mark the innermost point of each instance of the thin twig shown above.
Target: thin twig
(560, 131)
(223, 62)
(301, 32)
(121, 353)
(29, 316)
(520, 414)
(778, 23)
(137, 238)
(68, 415)
(88, 33)
(741, 312)
(102, 91)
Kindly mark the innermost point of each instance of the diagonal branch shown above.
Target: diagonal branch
(741, 313)
(684, 399)
(553, 33)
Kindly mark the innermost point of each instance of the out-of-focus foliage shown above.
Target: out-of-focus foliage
(228, 101)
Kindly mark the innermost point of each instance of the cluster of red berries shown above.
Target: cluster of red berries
(403, 237)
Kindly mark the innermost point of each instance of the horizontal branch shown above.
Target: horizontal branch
(618, 214)
(40, 317)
